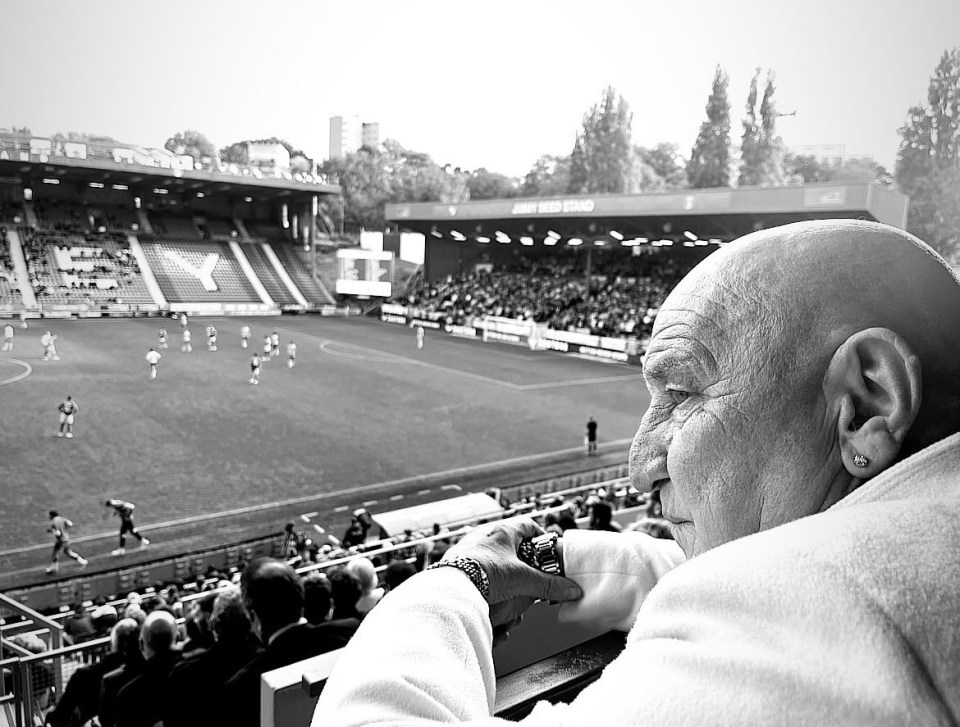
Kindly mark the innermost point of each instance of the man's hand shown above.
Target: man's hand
(514, 585)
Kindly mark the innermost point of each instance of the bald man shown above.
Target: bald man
(141, 702)
(802, 438)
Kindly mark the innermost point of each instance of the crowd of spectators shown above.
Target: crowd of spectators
(72, 267)
(192, 653)
(623, 298)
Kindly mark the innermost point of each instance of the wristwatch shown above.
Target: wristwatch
(541, 553)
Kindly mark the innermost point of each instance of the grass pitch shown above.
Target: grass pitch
(362, 405)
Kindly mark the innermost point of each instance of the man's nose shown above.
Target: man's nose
(648, 453)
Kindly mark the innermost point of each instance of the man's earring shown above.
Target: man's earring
(860, 461)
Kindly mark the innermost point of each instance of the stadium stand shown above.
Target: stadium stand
(219, 229)
(69, 268)
(275, 287)
(175, 228)
(226, 282)
(9, 287)
(300, 274)
(55, 658)
(624, 297)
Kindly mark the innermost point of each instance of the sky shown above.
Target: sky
(492, 84)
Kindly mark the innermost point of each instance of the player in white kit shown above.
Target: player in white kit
(211, 338)
(47, 340)
(8, 337)
(163, 338)
(187, 347)
(420, 335)
(244, 335)
(291, 354)
(153, 358)
(267, 346)
(274, 343)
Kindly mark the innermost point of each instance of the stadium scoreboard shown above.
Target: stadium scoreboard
(365, 273)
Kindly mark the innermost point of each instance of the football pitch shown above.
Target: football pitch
(362, 405)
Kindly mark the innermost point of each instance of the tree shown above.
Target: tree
(770, 146)
(761, 150)
(750, 162)
(602, 159)
(709, 164)
(483, 184)
(193, 143)
(548, 177)
(927, 159)
(237, 153)
(370, 178)
(666, 163)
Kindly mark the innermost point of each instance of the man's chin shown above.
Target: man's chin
(684, 533)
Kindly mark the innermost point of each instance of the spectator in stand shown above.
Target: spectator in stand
(194, 693)
(396, 573)
(128, 647)
(317, 598)
(354, 535)
(601, 517)
(199, 633)
(366, 573)
(140, 702)
(273, 593)
(79, 626)
(346, 591)
(80, 699)
(41, 672)
(104, 618)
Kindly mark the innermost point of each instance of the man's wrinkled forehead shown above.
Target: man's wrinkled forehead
(714, 307)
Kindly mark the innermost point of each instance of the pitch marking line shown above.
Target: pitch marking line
(18, 377)
(394, 498)
(384, 356)
(389, 484)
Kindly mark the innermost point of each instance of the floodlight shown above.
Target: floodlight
(248, 199)
(574, 241)
(701, 243)
(51, 181)
(96, 185)
(483, 239)
(551, 233)
(525, 240)
(157, 190)
(690, 236)
(616, 235)
(121, 187)
(200, 195)
(550, 241)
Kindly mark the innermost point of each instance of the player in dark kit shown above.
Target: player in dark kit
(59, 526)
(124, 511)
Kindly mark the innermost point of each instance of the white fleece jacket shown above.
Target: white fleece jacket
(849, 617)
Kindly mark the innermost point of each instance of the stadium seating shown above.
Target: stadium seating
(623, 301)
(73, 269)
(300, 274)
(9, 287)
(219, 229)
(229, 284)
(175, 228)
(274, 286)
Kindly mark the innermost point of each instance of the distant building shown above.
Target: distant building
(370, 137)
(347, 135)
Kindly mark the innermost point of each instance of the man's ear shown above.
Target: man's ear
(873, 385)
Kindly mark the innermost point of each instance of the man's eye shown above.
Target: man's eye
(678, 396)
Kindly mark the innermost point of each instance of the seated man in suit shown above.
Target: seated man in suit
(273, 593)
(140, 703)
(128, 647)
